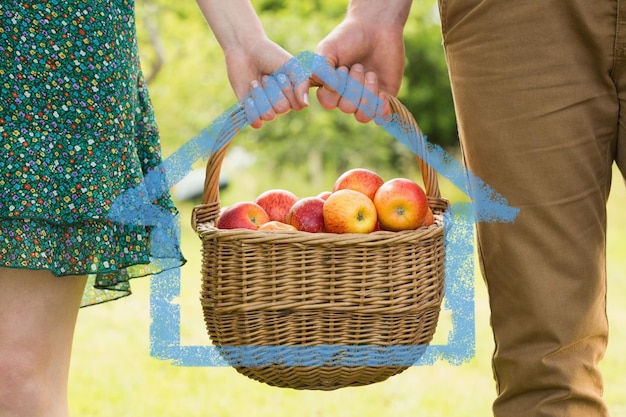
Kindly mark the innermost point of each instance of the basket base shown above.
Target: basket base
(392, 343)
(321, 378)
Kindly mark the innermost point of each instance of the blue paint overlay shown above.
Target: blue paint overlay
(487, 205)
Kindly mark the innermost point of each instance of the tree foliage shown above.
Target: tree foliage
(426, 87)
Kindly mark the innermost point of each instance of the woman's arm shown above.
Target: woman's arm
(251, 57)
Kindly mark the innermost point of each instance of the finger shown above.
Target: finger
(280, 103)
(302, 93)
(369, 100)
(324, 72)
(257, 124)
(299, 80)
(252, 114)
(330, 93)
(300, 90)
(295, 90)
(284, 83)
(262, 102)
(351, 96)
(327, 98)
(383, 109)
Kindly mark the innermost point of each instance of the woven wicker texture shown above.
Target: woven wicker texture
(291, 288)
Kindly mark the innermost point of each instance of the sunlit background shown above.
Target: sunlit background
(112, 371)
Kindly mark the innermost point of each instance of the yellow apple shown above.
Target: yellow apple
(276, 225)
(349, 211)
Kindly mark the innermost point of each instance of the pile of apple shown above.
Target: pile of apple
(360, 202)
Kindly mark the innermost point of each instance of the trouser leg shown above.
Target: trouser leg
(619, 75)
(538, 115)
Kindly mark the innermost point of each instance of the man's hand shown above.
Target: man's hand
(369, 46)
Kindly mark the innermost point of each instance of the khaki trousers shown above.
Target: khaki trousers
(540, 93)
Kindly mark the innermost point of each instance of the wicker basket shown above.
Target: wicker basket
(291, 288)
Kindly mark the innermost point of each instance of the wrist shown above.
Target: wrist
(235, 26)
(392, 14)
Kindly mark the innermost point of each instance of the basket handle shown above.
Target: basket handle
(214, 164)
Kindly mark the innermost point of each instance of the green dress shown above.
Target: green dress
(77, 134)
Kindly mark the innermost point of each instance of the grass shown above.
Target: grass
(113, 373)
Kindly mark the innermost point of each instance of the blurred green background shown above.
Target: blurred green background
(112, 371)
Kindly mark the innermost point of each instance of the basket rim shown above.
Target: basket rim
(208, 230)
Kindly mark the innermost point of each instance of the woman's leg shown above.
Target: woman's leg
(37, 318)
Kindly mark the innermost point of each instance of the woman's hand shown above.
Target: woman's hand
(268, 79)
(264, 76)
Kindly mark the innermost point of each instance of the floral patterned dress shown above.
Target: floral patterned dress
(77, 140)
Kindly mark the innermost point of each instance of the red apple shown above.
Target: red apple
(276, 203)
(401, 204)
(324, 195)
(349, 211)
(242, 215)
(307, 215)
(429, 219)
(359, 179)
